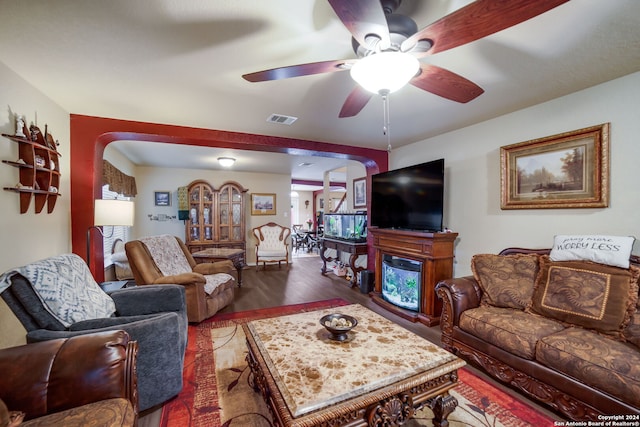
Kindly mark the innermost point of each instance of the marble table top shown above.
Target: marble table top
(314, 372)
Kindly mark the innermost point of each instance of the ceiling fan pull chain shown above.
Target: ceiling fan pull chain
(385, 129)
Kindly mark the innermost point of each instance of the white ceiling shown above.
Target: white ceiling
(180, 62)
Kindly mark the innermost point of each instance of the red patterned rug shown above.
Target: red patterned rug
(216, 392)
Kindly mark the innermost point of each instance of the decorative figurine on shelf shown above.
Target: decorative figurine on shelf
(20, 127)
(194, 216)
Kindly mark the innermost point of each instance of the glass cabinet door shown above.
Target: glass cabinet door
(216, 216)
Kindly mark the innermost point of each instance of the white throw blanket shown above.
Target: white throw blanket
(66, 288)
(168, 256)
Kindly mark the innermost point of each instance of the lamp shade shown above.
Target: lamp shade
(114, 212)
(385, 72)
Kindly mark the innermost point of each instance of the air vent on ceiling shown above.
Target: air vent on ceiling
(281, 119)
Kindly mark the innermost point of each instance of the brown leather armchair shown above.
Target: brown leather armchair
(89, 379)
(208, 286)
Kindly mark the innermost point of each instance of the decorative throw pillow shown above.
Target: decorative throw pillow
(610, 250)
(506, 280)
(587, 294)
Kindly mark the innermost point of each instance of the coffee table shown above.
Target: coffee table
(219, 254)
(380, 375)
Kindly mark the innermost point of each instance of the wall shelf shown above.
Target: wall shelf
(39, 172)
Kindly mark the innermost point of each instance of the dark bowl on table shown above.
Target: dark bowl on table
(338, 331)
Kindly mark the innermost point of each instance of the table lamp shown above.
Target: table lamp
(109, 212)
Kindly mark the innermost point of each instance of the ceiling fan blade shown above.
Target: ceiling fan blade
(446, 84)
(300, 70)
(362, 18)
(355, 102)
(477, 20)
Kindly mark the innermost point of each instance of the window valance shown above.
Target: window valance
(118, 181)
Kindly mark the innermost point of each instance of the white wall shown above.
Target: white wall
(29, 237)
(472, 163)
(305, 211)
(149, 180)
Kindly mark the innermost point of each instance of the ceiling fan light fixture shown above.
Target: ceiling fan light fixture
(385, 72)
(226, 161)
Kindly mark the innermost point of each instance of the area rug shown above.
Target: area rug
(216, 390)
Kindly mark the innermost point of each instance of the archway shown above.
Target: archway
(90, 135)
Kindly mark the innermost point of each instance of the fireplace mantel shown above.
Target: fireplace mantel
(434, 250)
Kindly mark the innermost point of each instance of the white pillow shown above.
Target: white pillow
(609, 250)
(119, 257)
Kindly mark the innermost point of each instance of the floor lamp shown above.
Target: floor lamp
(109, 212)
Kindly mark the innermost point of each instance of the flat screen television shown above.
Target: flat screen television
(410, 198)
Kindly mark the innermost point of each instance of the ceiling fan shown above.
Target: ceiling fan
(378, 32)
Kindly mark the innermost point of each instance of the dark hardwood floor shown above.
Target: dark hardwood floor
(302, 282)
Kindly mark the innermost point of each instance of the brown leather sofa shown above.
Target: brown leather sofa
(578, 372)
(83, 380)
(200, 304)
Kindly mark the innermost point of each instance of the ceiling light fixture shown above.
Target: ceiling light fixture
(226, 161)
(385, 71)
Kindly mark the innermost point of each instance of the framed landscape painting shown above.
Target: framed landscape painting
(568, 170)
(263, 204)
(162, 198)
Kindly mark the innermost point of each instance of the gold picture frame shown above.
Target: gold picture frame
(568, 170)
(263, 204)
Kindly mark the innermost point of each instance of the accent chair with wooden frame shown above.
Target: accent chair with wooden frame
(272, 245)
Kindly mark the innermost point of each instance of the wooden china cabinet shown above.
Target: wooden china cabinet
(216, 216)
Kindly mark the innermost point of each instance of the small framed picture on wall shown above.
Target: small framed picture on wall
(162, 198)
(360, 193)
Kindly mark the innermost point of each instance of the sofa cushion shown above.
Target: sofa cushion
(110, 412)
(510, 329)
(586, 294)
(596, 360)
(506, 280)
(631, 332)
(609, 250)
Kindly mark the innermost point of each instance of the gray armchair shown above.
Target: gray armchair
(154, 316)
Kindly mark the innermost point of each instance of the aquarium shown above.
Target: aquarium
(401, 281)
(346, 226)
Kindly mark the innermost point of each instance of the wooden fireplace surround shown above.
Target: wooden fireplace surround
(434, 250)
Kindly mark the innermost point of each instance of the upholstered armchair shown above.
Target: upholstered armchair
(58, 298)
(164, 259)
(82, 380)
(271, 244)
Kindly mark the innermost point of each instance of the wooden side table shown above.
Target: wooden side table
(220, 254)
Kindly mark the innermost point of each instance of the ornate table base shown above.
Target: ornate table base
(352, 248)
(326, 397)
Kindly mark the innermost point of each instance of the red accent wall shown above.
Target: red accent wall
(90, 135)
